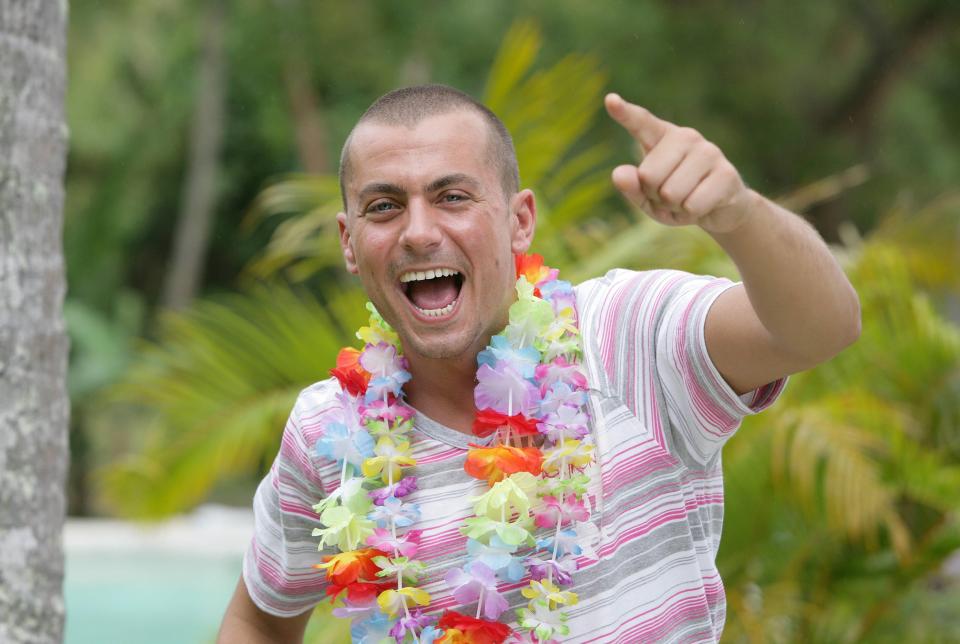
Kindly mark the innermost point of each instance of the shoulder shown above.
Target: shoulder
(315, 407)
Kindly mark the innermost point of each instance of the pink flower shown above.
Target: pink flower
(566, 510)
(504, 390)
(559, 370)
(405, 545)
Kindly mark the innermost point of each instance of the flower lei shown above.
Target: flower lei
(529, 385)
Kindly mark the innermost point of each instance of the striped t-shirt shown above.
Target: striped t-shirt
(660, 412)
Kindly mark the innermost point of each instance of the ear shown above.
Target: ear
(345, 246)
(523, 215)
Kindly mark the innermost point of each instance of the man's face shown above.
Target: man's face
(431, 234)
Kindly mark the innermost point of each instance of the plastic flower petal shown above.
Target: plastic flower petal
(409, 569)
(566, 422)
(338, 443)
(495, 463)
(372, 630)
(544, 623)
(405, 544)
(381, 359)
(462, 629)
(572, 453)
(488, 421)
(481, 528)
(345, 529)
(360, 592)
(501, 352)
(352, 376)
(529, 320)
(531, 267)
(559, 370)
(563, 510)
(477, 582)
(390, 457)
(547, 591)
(565, 542)
(378, 331)
(498, 556)
(411, 623)
(560, 393)
(393, 601)
(405, 486)
(430, 635)
(504, 390)
(395, 511)
(348, 567)
(507, 497)
(559, 570)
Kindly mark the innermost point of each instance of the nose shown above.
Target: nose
(420, 232)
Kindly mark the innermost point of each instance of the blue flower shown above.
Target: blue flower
(371, 630)
(339, 444)
(524, 361)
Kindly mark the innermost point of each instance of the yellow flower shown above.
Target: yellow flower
(572, 452)
(548, 591)
(392, 602)
(509, 496)
(390, 458)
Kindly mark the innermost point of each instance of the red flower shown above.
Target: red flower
(353, 378)
(495, 463)
(361, 592)
(488, 421)
(531, 267)
(461, 629)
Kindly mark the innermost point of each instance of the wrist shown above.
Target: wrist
(738, 217)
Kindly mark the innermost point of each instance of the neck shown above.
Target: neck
(443, 389)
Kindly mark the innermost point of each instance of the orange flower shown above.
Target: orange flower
(461, 629)
(531, 267)
(495, 463)
(488, 421)
(353, 378)
(350, 567)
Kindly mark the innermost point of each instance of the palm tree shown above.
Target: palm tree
(33, 347)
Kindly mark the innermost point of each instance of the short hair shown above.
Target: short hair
(408, 106)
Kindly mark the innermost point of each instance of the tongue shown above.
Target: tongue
(433, 294)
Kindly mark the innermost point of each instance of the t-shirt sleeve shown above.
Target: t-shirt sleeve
(703, 409)
(278, 565)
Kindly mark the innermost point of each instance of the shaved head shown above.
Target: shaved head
(408, 106)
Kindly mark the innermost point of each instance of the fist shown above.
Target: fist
(683, 178)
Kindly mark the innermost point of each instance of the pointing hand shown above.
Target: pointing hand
(683, 178)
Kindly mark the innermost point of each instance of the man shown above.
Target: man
(433, 216)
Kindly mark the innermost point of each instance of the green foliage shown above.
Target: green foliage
(213, 391)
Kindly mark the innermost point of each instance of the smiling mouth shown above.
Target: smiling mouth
(433, 292)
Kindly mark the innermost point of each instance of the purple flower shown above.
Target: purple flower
(566, 422)
(415, 622)
(405, 545)
(381, 359)
(562, 569)
(399, 490)
(560, 394)
(560, 294)
(504, 390)
(477, 582)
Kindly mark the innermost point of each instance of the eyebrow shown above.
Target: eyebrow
(435, 185)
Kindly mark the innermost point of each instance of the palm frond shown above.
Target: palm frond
(217, 387)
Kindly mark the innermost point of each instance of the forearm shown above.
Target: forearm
(244, 623)
(794, 284)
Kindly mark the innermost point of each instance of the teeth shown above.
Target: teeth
(416, 276)
(435, 313)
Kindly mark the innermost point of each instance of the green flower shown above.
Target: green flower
(345, 529)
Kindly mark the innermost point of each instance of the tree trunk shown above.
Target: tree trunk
(33, 345)
(200, 186)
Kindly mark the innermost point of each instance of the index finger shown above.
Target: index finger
(638, 121)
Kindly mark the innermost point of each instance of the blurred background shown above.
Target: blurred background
(206, 287)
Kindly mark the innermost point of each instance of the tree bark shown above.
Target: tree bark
(33, 347)
(199, 195)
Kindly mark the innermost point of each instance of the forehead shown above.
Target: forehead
(453, 143)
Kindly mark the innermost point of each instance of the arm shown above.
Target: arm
(795, 308)
(244, 623)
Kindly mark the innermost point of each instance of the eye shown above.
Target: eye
(381, 207)
(453, 197)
